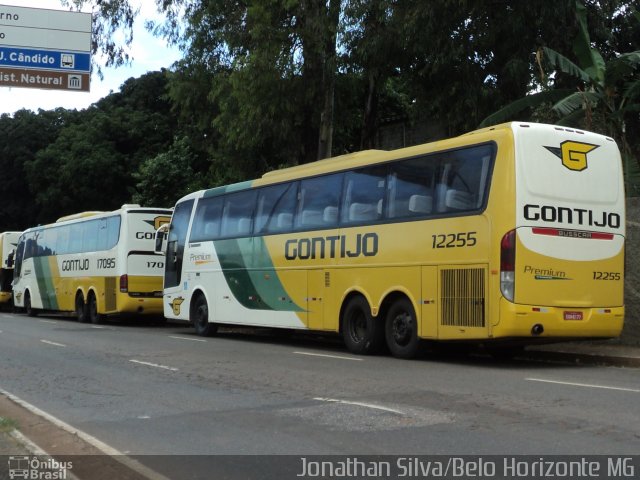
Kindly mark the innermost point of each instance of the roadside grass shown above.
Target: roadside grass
(7, 425)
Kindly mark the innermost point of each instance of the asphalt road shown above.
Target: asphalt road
(150, 390)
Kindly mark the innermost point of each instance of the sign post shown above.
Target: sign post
(42, 48)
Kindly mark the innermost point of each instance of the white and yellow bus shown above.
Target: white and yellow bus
(507, 235)
(92, 264)
(8, 243)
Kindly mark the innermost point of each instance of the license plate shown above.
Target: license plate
(572, 315)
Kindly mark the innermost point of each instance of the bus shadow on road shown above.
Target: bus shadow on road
(331, 344)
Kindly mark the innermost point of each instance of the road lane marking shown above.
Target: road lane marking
(359, 404)
(328, 356)
(48, 321)
(96, 326)
(53, 343)
(134, 465)
(586, 385)
(186, 338)
(155, 365)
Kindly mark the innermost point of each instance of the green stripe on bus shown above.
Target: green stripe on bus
(251, 276)
(45, 283)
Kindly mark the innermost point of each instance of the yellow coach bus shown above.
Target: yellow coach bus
(8, 243)
(507, 235)
(92, 264)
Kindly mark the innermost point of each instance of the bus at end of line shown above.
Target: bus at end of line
(506, 236)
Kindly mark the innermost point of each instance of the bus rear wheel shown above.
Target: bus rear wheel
(401, 329)
(82, 314)
(362, 333)
(200, 318)
(95, 317)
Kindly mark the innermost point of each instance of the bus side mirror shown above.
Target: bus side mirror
(10, 259)
(161, 236)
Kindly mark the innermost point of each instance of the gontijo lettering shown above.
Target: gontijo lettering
(73, 265)
(573, 216)
(332, 246)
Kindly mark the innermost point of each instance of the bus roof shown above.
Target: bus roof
(359, 159)
(79, 215)
(132, 208)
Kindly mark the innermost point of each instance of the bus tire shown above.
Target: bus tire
(92, 307)
(82, 314)
(401, 329)
(362, 333)
(30, 311)
(200, 318)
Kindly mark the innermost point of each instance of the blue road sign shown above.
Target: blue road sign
(45, 59)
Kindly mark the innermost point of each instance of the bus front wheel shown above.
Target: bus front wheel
(200, 318)
(31, 312)
(401, 329)
(362, 333)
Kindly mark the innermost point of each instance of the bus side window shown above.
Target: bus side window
(113, 231)
(49, 241)
(365, 195)
(319, 202)
(75, 238)
(206, 222)
(90, 235)
(463, 180)
(62, 240)
(237, 215)
(276, 206)
(103, 237)
(411, 188)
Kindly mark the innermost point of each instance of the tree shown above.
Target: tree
(89, 164)
(21, 137)
(605, 95)
(163, 179)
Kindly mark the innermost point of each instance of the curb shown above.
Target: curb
(591, 358)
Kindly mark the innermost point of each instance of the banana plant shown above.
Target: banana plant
(605, 92)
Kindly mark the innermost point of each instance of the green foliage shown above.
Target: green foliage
(270, 83)
(163, 179)
(604, 98)
(21, 137)
(89, 164)
(7, 425)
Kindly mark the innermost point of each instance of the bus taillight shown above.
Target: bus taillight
(508, 264)
(124, 283)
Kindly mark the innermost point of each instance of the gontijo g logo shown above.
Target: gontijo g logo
(573, 154)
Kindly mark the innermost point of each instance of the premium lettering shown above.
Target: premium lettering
(572, 216)
(333, 246)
